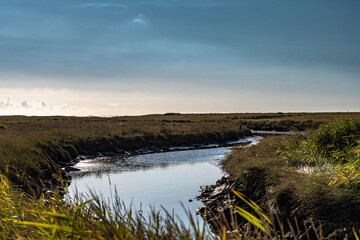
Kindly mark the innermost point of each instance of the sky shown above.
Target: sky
(134, 57)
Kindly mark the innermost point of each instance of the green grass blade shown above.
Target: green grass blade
(355, 234)
(45, 225)
(252, 204)
(250, 218)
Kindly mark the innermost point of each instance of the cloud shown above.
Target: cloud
(25, 104)
(114, 105)
(67, 107)
(5, 104)
(141, 19)
(34, 105)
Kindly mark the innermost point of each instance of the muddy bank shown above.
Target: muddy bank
(61, 157)
(336, 215)
(149, 157)
(219, 199)
(219, 202)
(66, 152)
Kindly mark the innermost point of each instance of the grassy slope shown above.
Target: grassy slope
(269, 174)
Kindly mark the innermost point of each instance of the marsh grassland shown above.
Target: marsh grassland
(309, 184)
(303, 186)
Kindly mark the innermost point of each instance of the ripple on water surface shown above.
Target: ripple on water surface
(157, 179)
(168, 179)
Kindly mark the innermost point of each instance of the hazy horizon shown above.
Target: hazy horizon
(121, 57)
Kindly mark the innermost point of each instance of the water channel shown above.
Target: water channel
(152, 180)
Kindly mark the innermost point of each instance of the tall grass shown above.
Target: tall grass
(52, 217)
(270, 172)
(333, 151)
(337, 140)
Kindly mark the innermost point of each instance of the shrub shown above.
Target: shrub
(336, 140)
(333, 152)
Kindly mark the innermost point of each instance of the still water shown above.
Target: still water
(152, 180)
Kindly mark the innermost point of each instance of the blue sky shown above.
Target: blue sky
(81, 57)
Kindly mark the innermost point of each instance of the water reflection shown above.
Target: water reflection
(157, 186)
(166, 179)
(116, 164)
(158, 179)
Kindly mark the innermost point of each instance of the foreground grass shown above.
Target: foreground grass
(288, 197)
(51, 217)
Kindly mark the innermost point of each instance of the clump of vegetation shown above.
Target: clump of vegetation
(338, 140)
(262, 226)
(2, 126)
(333, 151)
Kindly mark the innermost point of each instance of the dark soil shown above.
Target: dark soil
(50, 177)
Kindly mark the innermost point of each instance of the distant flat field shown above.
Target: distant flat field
(23, 139)
(172, 123)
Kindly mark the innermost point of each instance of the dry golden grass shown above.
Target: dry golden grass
(271, 167)
(23, 139)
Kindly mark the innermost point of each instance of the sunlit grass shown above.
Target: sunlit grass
(52, 217)
(333, 152)
(306, 182)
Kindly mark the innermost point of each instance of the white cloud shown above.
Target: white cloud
(141, 19)
(25, 104)
(48, 101)
(67, 107)
(5, 104)
(167, 98)
(114, 105)
(37, 101)
(33, 107)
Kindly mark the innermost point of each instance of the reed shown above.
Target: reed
(53, 217)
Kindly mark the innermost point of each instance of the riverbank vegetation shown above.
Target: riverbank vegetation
(311, 179)
(305, 178)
